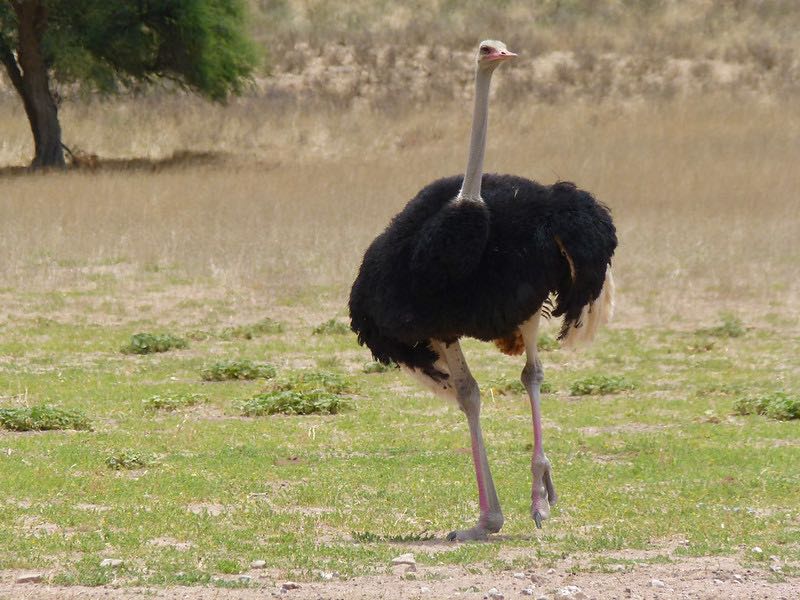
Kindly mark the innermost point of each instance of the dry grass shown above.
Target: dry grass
(703, 191)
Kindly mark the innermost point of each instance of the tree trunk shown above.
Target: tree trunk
(32, 82)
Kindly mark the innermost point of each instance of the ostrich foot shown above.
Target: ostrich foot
(543, 492)
(485, 526)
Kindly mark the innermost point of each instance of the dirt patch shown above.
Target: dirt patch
(696, 578)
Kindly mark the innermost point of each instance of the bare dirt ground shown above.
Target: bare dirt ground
(690, 578)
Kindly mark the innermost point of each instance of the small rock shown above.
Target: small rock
(542, 598)
(775, 568)
(519, 575)
(258, 564)
(528, 591)
(404, 559)
(326, 575)
(29, 578)
(738, 578)
(657, 583)
(245, 579)
(494, 594)
(111, 562)
(424, 590)
(571, 591)
(550, 571)
(718, 581)
(616, 568)
(290, 585)
(757, 550)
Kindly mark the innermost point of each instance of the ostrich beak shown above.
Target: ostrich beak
(501, 55)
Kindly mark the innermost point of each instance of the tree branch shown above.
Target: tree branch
(12, 68)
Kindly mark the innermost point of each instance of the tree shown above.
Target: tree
(110, 45)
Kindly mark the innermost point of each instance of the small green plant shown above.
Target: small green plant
(331, 327)
(265, 326)
(148, 343)
(226, 370)
(504, 386)
(171, 402)
(598, 385)
(775, 405)
(229, 566)
(42, 418)
(377, 367)
(547, 342)
(367, 537)
(731, 327)
(301, 393)
(129, 460)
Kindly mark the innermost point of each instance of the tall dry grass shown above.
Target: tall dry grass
(704, 192)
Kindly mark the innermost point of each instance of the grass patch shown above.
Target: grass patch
(42, 418)
(547, 342)
(301, 393)
(775, 405)
(265, 326)
(226, 370)
(599, 385)
(331, 327)
(129, 460)
(368, 537)
(377, 367)
(730, 327)
(172, 402)
(149, 343)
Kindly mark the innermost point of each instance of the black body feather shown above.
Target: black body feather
(445, 269)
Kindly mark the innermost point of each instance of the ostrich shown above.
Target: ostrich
(484, 256)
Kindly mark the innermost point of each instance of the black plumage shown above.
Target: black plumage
(447, 268)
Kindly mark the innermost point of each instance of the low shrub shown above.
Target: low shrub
(331, 327)
(148, 343)
(598, 385)
(172, 402)
(226, 370)
(775, 405)
(42, 418)
(129, 460)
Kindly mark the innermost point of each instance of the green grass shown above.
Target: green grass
(776, 405)
(42, 418)
(635, 470)
(331, 327)
(600, 385)
(225, 370)
(149, 343)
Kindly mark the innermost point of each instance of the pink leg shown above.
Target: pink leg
(543, 492)
(468, 396)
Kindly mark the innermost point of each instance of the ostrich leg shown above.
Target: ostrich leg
(469, 400)
(543, 492)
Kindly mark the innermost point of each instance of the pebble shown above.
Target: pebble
(290, 585)
(519, 575)
(424, 590)
(775, 568)
(29, 578)
(326, 575)
(528, 591)
(550, 571)
(757, 550)
(718, 581)
(657, 583)
(494, 594)
(737, 578)
(571, 591)
(616, 568)
(404, 559)
(111, 562)
(258, 564)
(245, 579)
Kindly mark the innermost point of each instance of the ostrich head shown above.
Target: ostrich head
(491, 53)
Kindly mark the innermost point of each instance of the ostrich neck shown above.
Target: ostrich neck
(471, 188)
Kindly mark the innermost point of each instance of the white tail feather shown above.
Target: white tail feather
(593, 316)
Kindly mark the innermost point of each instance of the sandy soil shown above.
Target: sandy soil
(700, 578)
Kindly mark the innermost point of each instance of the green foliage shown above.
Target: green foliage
(377, 367)
(148, 343)
(129, 460)
(42, 418)
(367, 537)
(225, 370)
(505, 386)
(775, 405)
(229, 566)
(301, 393)
(331, 327)
(265, 326)
(172, 402)
(598, 385)
(547, 342)
(199, 44)
(731, 327)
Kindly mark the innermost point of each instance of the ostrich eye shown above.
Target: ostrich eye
(485, 49)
